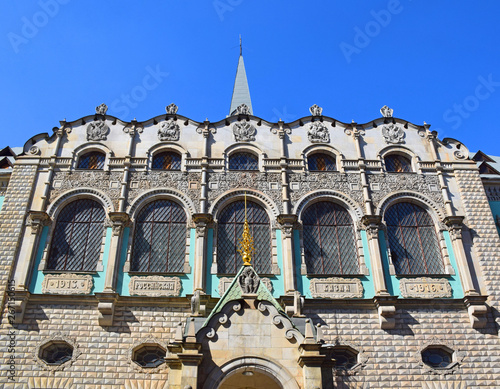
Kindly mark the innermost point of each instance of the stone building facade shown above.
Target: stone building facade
(376, 258)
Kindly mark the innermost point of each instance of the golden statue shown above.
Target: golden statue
(246, 241)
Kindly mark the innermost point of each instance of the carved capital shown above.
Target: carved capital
(64, 129)
(206, 130)
(371, 225)
(454, 224)
(37, 220)
(119, 220)
(133, 128)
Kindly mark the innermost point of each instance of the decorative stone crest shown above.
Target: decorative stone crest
(97, 130)
(225, 282)
(316, 110)
(169, 131)
(318, 133)
(243, 131)
(155, 286)
(386, 111)
(336, 288)
(425, 287)
(249, 281)
(171, 109)
(243, 109)
(101, 109)
(393, 133)
(34, 150)
(67, 284)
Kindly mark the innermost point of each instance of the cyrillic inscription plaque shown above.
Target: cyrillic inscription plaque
(425, 287)
(155, 286)
(336, 288)
(67, 284)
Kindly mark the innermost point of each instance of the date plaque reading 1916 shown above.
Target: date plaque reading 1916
(425, 287)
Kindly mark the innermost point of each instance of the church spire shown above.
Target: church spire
(241, 92)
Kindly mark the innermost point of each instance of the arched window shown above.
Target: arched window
(93, 160)
(397, 163)
(329, 240)
(320, 162)
(230, 229)
(76, 244)
(160, 238)
(243, 161)
(167, 160)
(413, 240)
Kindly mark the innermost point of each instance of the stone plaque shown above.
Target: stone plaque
(67, 284)
(336, 288)
(225, 282)
(155, 286)
(425, 287)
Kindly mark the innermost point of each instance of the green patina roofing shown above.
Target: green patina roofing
(234, 293)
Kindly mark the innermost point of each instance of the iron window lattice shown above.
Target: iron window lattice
(76, 244)
(167, 161)
(396, 163)
(93, 161)
(413, 240)
(243, 161)
(56, 353)
(229, 232)
(321, 162)
(329, 240)
(160, 238)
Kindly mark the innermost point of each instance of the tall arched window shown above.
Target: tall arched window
(397, 163)
(230, 229)
(329, 240)
(78, 233)
(243, 161)
(167, 160)
(413, 240)
(93, 160)
(320, 162)
(160, 238)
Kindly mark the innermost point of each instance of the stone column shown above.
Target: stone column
(310, 359)
(372, 223)
(131, 129)
(119, 221)
(202, 221)
(287, 222)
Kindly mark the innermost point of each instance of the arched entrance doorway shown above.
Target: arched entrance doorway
(249, 378)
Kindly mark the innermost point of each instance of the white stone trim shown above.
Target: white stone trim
(56, 338)
(89, 147)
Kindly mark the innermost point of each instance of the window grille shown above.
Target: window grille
(167, 161)
(78, 233)
(397, 163)
(160, 238)
(321, 162)
(93, 160)
(243, 161)
(413, 240)
(329, 240)
(229, 232)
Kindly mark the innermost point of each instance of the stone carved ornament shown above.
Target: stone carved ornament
(98, 129)
(393, 134)
(386, 111)
(101, 109)
(67, 283)
(243, 131)
(171, 109)
(224, 283)
(249, 281)
(316, 110)
(318, 133)
(243, 109)
(169, 131)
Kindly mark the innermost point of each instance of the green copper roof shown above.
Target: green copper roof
(241, 92)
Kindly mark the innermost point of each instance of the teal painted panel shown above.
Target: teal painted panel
(455, 282)
(1, 202)
(495, 209)
(303, 282)
(123, 278)
(100, 277)
(279, 280)
(37, 276)
(187, 279)
(212, 279)
(367, 281)
(391, 281)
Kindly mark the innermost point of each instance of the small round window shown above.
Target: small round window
(437, 357)
(56, 353)
(149, 356)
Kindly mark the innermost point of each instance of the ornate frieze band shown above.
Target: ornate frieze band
(155, 286)
(67, 284)
(336, 288)
(425, 287)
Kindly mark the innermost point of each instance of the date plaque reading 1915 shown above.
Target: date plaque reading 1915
(67, 283)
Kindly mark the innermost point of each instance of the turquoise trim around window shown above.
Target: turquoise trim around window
(1, 202)
(495, 209)
(123, 278)
(212, 279)
(367, 281)
(100, 277)
(392, 281)
(37, 276)
(278, 280)
(302, 280)
(187, 279)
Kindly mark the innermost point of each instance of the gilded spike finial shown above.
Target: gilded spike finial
(246, 241)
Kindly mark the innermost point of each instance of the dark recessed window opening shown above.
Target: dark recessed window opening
(93, 161)
(56, 353)
(397, 163)
(243, 161)
(437, 357)
(321, 162)
(149, 356)
(167, 161)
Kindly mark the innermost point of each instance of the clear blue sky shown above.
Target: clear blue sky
(430, 61)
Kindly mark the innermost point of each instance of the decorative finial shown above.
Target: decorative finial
(102, 109)
(316, 110)
(246, 241)
(386, 111)
(171, 109)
